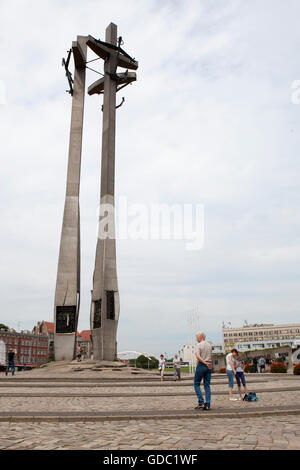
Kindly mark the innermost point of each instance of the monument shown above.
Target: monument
(67, 293)
(105, 305)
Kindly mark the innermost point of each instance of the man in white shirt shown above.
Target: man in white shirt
(176, 365)
(203, 371)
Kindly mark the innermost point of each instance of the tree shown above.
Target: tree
(143, 361)
(3, 327)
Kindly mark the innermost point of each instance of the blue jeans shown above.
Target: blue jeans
(239, 376)
(230, 375)
(202, 372)
(12, 366)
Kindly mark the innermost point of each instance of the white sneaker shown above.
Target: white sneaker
(233, 399)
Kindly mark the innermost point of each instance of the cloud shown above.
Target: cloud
(210, 120)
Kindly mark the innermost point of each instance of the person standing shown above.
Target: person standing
(203, 371)
(255, 365)
(78, 353)
(11, 361)
(239, 365)
(176, 365)
(230, 371)
(261, 363)
(268, 364)
(161, 367)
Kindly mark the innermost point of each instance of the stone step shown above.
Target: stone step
(145, 394)
(41, 383)
(134, 379)
(76, 416)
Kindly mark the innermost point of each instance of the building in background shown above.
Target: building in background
(32, 350)
(259, 345)
(46, 328)
(84, 340)
(260, 336)
(187, 355)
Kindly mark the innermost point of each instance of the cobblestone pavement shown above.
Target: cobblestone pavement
(139, 403)
(271, 433)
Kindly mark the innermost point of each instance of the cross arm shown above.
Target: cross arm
(104, 50)
(100, 49)
(127, 63)
(120, 78)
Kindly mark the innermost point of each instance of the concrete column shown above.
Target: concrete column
(105, 295)
(67, 294)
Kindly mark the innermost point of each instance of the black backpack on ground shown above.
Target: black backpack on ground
(250, 397)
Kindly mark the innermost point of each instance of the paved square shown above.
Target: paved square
(58, 408)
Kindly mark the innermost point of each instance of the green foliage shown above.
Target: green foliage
(143, 361)
(3, 327)
(296, 370)
(278, 368)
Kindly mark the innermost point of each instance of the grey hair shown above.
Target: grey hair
(200, 334)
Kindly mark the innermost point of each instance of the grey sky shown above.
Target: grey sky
(210, 120)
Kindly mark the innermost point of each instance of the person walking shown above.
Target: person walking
(161, 367)
(176, 365)
(11, 361)
(239, 366)
(261, 363)
(203, 371)
(230, 371)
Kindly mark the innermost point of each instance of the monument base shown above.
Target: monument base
(64, 346)
(105, 345)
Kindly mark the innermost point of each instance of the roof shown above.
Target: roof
(50, 326)
(85, 335)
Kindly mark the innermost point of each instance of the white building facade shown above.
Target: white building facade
(187, 353)
(260, 336)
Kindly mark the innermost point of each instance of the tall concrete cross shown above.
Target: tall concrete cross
(105, 305)
(67, 293)
(105, 294)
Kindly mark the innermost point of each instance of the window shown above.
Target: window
(110, 304)
(97, 314)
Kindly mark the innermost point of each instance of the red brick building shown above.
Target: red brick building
(46, 328)
(32, 350)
